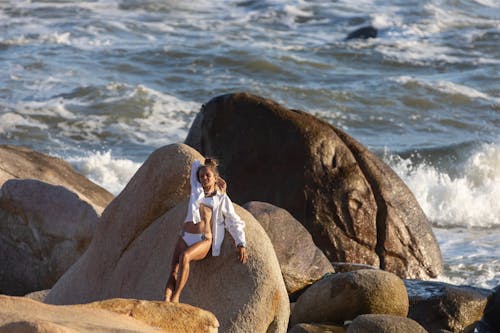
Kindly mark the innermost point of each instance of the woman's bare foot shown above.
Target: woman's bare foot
(168, 295)
(175, 298)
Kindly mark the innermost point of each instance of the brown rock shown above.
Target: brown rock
(343, 296)
(301, 262)
(44, 229)
(23, 315)
(438, 305)
(130, 255)
(24, 163)
(170, 317)
(316, 328)
(356, 208)
(380, 323)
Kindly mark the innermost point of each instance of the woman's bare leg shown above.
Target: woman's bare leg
(195, 252)
(180, 247)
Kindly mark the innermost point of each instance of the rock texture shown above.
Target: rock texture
(170, 317)
(378, 323)
(39, 295)
(356, 208)
(438, 305)
(301, 262)
(492, 310)
(316, 328)
(23, 315)
(44, 229)
(23, 163)
(343, 296)
(131, 251)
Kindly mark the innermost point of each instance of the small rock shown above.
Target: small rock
(363, 33)
(439, 305)
(382, 323)
(316, 328)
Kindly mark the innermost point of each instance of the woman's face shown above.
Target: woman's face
(207, 178)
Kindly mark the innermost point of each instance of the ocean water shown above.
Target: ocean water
(103, 83)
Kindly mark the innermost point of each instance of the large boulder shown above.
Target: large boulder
(24, 163)
(382, 323)
(439, 305)
(44, 229)
(170, 317)
(355, 206)
(301, 262)
(23, 315)
(343, 296)
(130, 254)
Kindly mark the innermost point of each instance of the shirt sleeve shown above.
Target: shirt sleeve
(234, 224)
(195, 184)
(193, 213)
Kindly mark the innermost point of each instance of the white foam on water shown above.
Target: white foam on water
(166, 120)
(447, 87)
(467, 200)
(11, 121)
(471, 257)
(110, 172)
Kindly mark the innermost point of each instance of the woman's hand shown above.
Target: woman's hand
(242, 254)
(221, 183)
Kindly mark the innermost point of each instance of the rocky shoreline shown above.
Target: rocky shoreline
(337, 242)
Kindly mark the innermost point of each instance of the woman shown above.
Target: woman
(209, 210)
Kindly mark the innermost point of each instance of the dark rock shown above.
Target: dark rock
(316, 328)
(343, 267)
(438, 305)
(492, 311)
(380, 323)
(363, 33)
(301, 262)
(355, 206)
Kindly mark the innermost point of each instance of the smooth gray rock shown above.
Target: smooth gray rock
(301, 262)
(44, 229)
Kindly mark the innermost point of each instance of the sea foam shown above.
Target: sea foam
(103, 168)
(469, 199)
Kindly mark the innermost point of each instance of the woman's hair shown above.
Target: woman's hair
(211, 164)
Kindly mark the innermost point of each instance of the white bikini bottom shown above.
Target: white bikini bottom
(191, 239)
